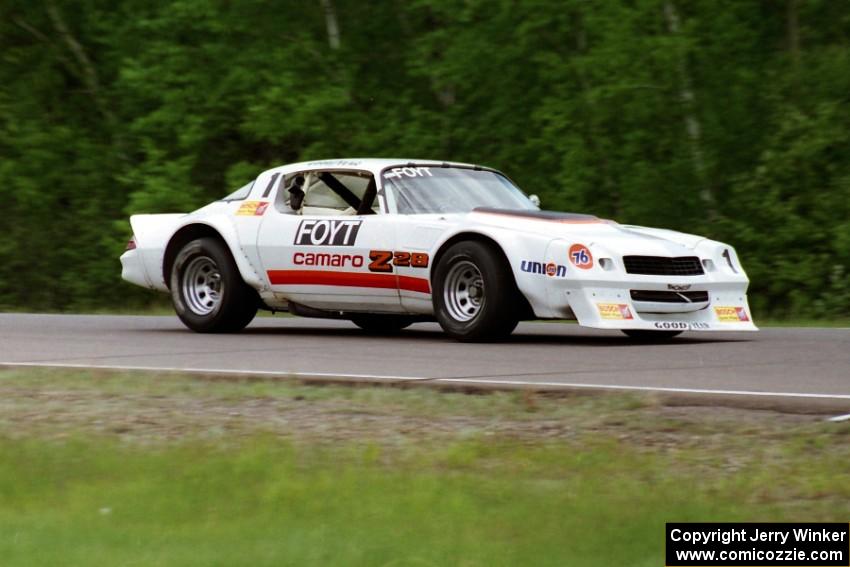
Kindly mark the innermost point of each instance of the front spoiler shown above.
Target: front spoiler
(609, 307)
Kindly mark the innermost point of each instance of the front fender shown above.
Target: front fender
(524, 253)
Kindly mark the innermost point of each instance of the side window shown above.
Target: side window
(319, 195)
(326, 193)
(282, 199)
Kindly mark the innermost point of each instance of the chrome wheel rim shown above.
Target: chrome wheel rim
(202, 285)
(463, 291)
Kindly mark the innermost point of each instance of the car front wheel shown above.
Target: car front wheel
(475, 297)
(207, 290)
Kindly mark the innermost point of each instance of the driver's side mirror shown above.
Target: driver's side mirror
(535, 200)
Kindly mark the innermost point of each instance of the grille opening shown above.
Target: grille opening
(669, 296)
(661, 266)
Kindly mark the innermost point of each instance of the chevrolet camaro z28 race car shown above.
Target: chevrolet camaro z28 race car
(386, 243)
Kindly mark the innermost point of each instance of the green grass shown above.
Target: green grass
(139, 469)
(268, 503)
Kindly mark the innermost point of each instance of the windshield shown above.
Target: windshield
(451, 190)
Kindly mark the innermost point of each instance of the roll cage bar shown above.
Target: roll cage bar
(362, 206)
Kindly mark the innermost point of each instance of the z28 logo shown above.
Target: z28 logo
(384, 260)
(314, 232)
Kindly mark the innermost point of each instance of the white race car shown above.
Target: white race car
(386, 243)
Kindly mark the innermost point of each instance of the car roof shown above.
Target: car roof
(373, 165)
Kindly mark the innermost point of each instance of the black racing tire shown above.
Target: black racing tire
(381, 324)
(644, 335)
(474, 293)
(208, 292)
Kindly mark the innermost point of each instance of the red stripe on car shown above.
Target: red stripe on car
(348, 279)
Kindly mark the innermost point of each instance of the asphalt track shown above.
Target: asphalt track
(806, 368)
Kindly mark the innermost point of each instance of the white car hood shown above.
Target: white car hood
(592, 231)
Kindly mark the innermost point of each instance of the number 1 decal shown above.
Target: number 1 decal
(728, 257)
(270, 185)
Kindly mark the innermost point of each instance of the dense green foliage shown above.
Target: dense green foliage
(724, 117)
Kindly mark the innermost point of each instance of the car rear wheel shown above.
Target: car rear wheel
(381, 324)
(207, 290)
(642, 335)
(474, 294)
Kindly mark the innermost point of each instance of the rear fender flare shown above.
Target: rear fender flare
(215, 227)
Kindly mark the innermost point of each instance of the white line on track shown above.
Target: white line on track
(651, 389)
(839, 418)
(466, 381)
(191, 370)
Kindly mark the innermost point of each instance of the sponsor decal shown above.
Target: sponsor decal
(333, 260)
(726, 254)
(618, 311)
(680, 325)
(333, 162)
(252, 209)
(581, 257)
(551, 269)
(336, 232)
(348, 279)
(675, 287)
(731, 314)
(384, 260)
(408, 172)
(672, 325)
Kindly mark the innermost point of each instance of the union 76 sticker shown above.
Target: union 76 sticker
(581, 257)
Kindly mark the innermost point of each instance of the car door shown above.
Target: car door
(323, 258)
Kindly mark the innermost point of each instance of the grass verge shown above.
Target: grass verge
(106, 469)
